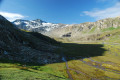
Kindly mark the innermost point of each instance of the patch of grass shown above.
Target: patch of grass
(110, 29)
(17, 74)
(16, 71)
(89, 72)
(92, 30)
(109, 66)
(57, 69)
(110, 36)
(24, 30)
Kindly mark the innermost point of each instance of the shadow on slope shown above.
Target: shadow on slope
(44, 38)
(73, 50)
(77, 51)
(70, 51)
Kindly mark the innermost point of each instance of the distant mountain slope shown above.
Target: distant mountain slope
(89, 31)
(36, 25)
(25, 47)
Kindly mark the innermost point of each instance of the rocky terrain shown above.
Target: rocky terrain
(89, 31)
(36, 25)
(25, 47)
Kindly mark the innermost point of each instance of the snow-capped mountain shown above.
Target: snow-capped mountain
(36, 25)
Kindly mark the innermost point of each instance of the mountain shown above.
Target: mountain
(86, 61)
(36, 25)
(27, 47)
(89, 31)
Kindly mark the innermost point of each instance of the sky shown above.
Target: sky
(60, 11)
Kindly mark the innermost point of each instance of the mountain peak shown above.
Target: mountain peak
(40, 21)
(37, 25)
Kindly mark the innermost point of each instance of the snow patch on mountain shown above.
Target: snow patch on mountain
(36, 25)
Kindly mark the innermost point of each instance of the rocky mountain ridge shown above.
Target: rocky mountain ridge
(89, 31)
(36, 25)
(85, 31)
(42, 26)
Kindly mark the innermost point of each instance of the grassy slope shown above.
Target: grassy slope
(108, 65)
(110, 34)
(104, 67)
(10, 71)
(114, 34)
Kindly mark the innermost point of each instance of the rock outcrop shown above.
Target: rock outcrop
(85, 31)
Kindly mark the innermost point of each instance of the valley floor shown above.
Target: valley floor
(102, 67)
(81, 62)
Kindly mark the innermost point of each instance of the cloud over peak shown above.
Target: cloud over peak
(11, 16)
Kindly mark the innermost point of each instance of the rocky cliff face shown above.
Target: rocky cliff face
(85, 31)
(39, 25)
(24, 47)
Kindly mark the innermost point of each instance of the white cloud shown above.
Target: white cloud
(11, 16)
(113, 11)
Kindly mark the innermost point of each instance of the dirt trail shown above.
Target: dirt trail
(99, 65)
(96, 66)
(67, 67)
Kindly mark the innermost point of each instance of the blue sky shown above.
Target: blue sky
(60, 11)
